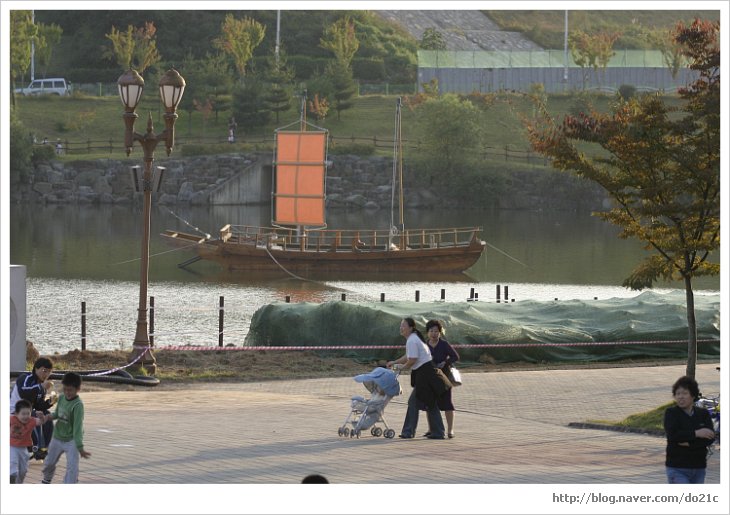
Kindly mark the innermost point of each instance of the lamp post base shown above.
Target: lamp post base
(147, 360)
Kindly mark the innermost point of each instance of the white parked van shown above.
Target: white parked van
(57, 86)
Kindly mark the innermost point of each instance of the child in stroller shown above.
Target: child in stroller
(366, 413)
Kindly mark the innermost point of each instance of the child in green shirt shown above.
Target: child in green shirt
(68, 435)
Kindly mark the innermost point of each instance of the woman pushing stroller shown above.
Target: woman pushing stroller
(427, 386)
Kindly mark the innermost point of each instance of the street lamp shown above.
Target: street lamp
(131, 85)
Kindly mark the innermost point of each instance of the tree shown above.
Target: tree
(449, 134)
(48, 37)
(135, 48)
(671, 49)
(341, 40)
(280, 76)
(249, 105)
(238, 39)
(661, 166)
(22, 32)
(432, 39)
(592, 50)
(343, 86)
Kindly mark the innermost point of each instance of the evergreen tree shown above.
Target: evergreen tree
(280, 76)
(343, 85)
(250, 107)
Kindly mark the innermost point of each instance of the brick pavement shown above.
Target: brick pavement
(511, 427)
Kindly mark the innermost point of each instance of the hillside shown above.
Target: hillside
(546, 28)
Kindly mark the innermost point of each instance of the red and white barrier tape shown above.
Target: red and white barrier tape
(111, 371)
(456, 345)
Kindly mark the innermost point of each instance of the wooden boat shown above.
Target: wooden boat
(299, 242)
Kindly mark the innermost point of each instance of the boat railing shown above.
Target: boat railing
(332, 240)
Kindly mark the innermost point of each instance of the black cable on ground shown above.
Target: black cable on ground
(118, 377)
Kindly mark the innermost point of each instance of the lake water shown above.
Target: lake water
(91, 254)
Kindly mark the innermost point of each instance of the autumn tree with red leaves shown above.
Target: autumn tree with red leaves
(661, 167)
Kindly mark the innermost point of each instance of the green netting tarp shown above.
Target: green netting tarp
(520, 331)
(531, 59)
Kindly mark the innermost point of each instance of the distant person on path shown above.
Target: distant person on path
(69, 434)
(22, 424)
(35, 387)
(59, 148)
(689, 433)
(232, 126)
(443, 356)
(427, 387)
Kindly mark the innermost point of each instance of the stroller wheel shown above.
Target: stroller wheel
(377, 431)
(339, 431)
(389, 433)
(346, 432)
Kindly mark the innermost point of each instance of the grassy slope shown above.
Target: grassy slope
(79, 119)
(546, 27)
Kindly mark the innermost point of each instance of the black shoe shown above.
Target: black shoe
(41, 454)
(404, 436)
(427, 434)
(434, 437)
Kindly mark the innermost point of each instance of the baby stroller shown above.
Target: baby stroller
(366, 413)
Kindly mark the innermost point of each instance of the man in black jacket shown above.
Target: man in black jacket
(689, 433)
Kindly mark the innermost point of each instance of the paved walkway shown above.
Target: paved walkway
(511, 427)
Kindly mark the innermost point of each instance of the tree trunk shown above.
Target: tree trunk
(691, 327)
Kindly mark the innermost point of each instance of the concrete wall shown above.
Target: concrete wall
(251, 185)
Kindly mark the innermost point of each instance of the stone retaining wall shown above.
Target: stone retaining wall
(353, 183)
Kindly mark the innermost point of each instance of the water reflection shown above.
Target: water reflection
(103, 242)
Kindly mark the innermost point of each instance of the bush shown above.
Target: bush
(21, 149)
(372, 69)
(627, 91)
(42, 154)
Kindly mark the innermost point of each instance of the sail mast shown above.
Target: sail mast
(400, 161)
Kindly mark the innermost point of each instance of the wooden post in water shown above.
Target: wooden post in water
(287, 299)
(83, 325)
(220, 321)
(506, 293)
(382, 297)
(418, 295)
(471, 294)
(152, 320)
(344, 296)
(498, 293)
(443, 294)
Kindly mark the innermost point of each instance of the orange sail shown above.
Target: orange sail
(299, 180)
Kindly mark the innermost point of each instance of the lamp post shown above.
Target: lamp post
(131, 85)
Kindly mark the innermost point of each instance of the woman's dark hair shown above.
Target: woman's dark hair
(435, 323)
(688, 384)
(315, 478)
(42, 363)
(412, 324)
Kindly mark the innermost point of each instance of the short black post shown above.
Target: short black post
(344, 296)
(418, 295)
(498, 293)
(443, 294)
(382, 297)
(220, 321)
(152, 320)
(83, 325)
(476, 295)
(287, 299)
(471, 294)
(506, 293)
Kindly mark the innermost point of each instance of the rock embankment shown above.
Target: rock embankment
(353, 183)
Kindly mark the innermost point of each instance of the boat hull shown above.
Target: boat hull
(247, 256)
